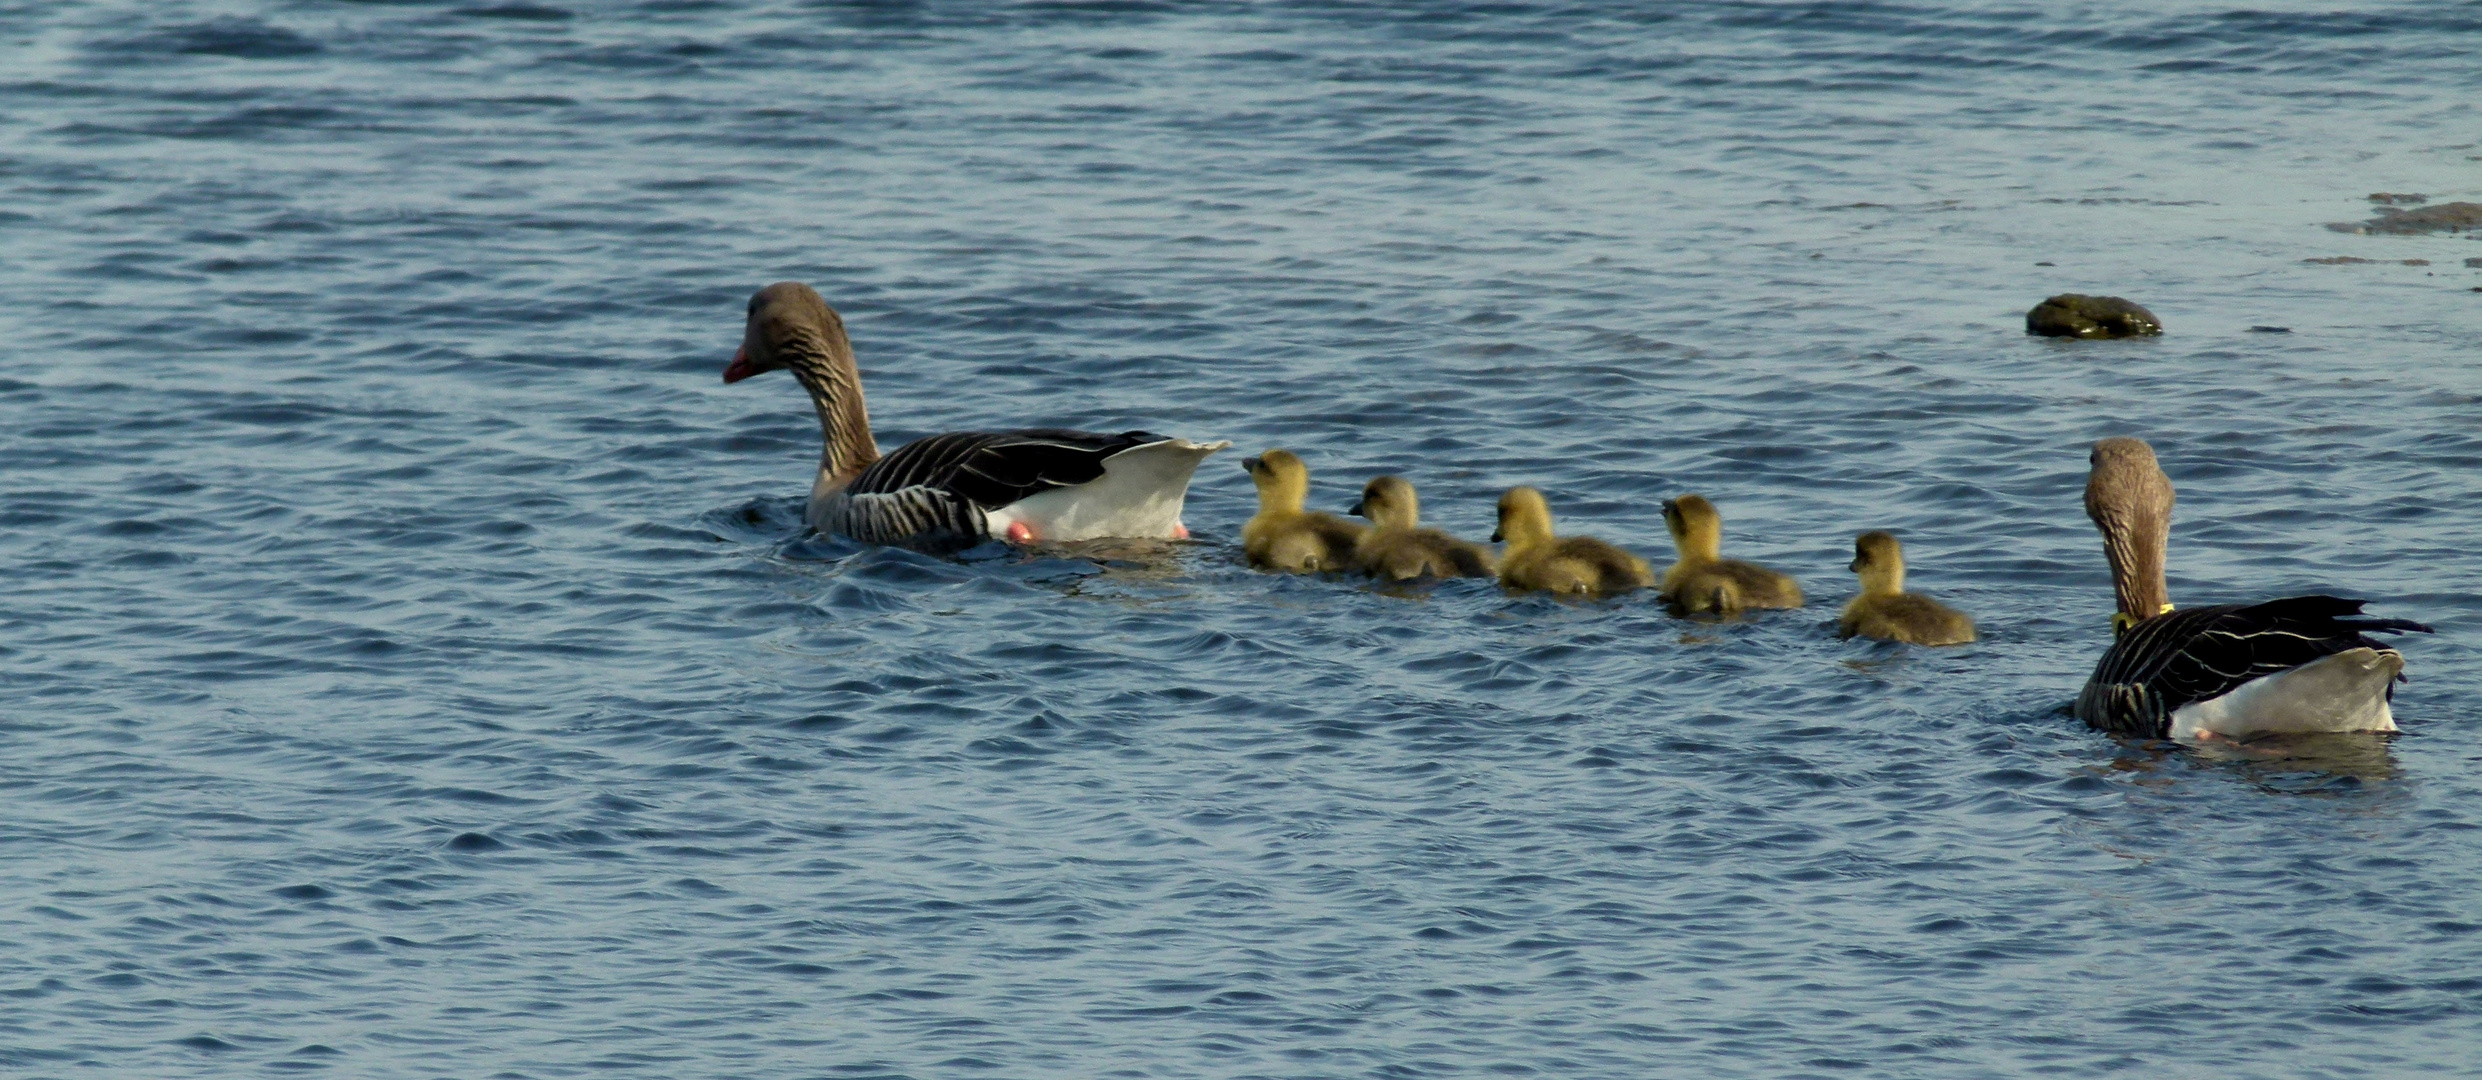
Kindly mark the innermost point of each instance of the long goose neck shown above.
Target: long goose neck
(1526, 534)
(1400, 512)
(1698, 541)
(1283, 495)
(2135, 547)
(824, 364)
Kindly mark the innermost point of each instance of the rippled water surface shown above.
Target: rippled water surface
(411, 663)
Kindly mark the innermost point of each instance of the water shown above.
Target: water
(413, 666)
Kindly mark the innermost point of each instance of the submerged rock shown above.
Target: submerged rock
(2445, 217)
(2079, 316)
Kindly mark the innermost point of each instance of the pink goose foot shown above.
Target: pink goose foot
(1180, 531)
(1020, 533)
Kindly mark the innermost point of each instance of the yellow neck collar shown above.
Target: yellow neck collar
(2121, 621)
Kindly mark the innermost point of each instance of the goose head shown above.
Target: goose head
(1389, 502)
(1880, 562)
(791, 328)
(2130, 501)
(1283, 481)
(1695, 526)
(1525, 520)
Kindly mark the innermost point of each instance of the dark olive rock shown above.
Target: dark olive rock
(2072, 315)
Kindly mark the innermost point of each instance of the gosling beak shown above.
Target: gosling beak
(741, 367)
(1361, 508)
(1496, 538)
(1249, 465)
(1855, 565)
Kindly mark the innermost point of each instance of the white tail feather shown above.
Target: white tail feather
(1139, 495)
(2345, 691)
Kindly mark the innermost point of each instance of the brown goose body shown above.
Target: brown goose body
(1702, 580)
(1397, 548)
(1284, 537)
(1536, 560)
(956, 490)
(1885, 611)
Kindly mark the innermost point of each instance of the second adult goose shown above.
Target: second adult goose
(953, 491)
(2299, 664)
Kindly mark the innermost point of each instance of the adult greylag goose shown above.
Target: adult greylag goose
(2299, 664)
(1398, 548)
(1283, 536)
(1702, 580)
(953, 491)
(1537, 560)
(1884, 611)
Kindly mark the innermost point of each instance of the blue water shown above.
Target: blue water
(411, 663)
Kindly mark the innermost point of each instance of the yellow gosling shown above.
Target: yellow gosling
(1537, 561)
(1885, 611)
(1397, 548)
(1282, 536)
(1703, 580)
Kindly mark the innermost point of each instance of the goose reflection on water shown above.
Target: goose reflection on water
(2318, 763)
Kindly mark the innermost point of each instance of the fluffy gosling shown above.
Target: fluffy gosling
(1537, 561)
(1703, 580)
(1397, 548)
(1885, 611)
(1283, 537)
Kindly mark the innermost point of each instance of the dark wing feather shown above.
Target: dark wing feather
(2171, 660)
(932, 493)
(991, 469)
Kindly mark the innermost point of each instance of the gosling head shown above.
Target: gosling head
(1283, 481)
(1880, 561)
(2130, 501)
(1389, 502)
(1524, 518)
(1695, 526)
(790, 326)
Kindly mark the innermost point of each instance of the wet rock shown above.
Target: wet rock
(2393, 221)
(2079, 316)
(2397, 198)
(2355, 260)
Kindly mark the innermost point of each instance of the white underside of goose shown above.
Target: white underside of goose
(2345, 691)
(1140, 494)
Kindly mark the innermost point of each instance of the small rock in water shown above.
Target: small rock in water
(2475, 261)
(2270, 329)
(2079, 316)
(2398, 198)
